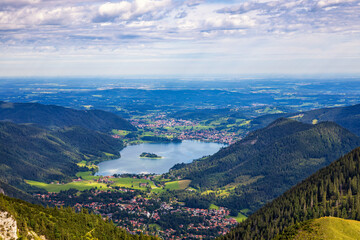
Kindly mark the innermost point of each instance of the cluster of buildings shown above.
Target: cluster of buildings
(149, 216)
(186, 130)
(210, 136)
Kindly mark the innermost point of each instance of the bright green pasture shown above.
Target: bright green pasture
(81, 186)
(177, 185)
(239, 218)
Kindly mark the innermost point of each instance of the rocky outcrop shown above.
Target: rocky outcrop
(8, 226)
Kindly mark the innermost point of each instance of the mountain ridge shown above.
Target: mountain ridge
(29, 152)
(347, 117)
(332, 191)
(52, 116)
(269, 161)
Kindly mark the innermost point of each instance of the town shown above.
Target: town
(170, 128)
(128, 209)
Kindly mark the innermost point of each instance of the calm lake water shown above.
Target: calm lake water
(172, 153)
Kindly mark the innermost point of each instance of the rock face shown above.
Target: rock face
(8, 226)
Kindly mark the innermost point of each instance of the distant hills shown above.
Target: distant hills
(29, 152)
(269, 161)
(332, 191)
(52, 116)
(347, 117)
(22, 220)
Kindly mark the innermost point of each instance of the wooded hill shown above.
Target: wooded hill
(52, 223)
(52, 116)
(269, 161)
(347, 117)
(28, 152)
(332, 191)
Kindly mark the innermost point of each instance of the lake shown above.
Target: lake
(172, 153)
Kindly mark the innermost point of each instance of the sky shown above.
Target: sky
(174, 37)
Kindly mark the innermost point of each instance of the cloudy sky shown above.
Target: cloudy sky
(178, 37)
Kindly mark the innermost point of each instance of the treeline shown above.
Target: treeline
(332, 191)
(160, 139)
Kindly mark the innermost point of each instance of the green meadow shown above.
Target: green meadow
(177, 185)
(81, 186)
(89, 181)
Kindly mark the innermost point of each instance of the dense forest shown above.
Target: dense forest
(28, 152)
(269, 161)
(52, 116)
(332, 191)
(54, 223)
(347, 117)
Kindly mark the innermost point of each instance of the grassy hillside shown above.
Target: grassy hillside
(269, 161)
(330, 228)
(53, 223)
(332, 191)
(52, 116)
(28, 152)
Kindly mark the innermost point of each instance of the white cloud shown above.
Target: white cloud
(17, 3)
(186, 30)
(327, 3)
(283, 16)
(138, 9)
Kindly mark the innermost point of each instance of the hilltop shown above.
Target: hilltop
(51, 116)
(332, 191)
(347, 117)
(330, 228)
(268, 161)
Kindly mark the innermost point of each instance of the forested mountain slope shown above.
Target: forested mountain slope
(347, 117)
(332, 191)
(52, 116)
(34, 221)
(269, 161)
(28, 152)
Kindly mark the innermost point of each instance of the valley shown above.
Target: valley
(221, 161)
(179, 119)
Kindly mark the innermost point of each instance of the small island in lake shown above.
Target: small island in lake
(149, 155)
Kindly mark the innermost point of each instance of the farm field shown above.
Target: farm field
(89, 181)
(81, 186)
(177, 185)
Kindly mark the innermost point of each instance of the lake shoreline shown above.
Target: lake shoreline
(171, 154)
